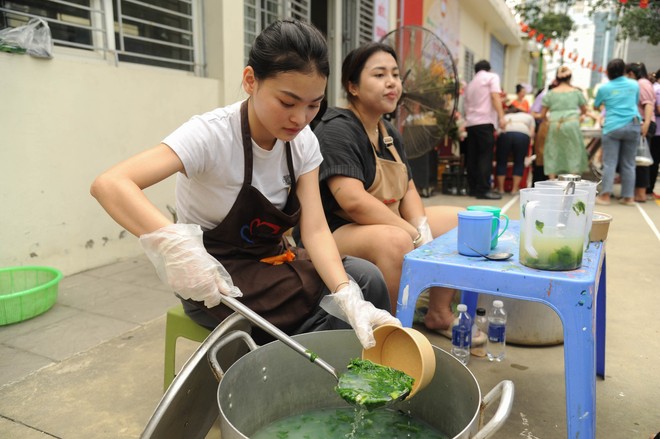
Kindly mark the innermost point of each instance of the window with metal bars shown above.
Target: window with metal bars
(468, 66)
(357, 24)
(153, 32)
(258, 14)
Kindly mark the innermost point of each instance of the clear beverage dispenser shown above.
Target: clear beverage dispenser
(552, 227)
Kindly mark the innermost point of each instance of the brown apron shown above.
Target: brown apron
(391, 180)
(284, 294)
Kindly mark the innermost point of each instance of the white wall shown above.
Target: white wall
(65, 120)
(479, 20)
(62, 122)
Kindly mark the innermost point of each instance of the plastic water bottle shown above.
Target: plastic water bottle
(496, 332)
(480, 325)
(462, 335)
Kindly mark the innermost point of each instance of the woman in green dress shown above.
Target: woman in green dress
(565, 152)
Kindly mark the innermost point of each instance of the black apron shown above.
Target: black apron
(284, 294)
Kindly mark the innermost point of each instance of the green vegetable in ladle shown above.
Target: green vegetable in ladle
(384, 385)
(370, 385)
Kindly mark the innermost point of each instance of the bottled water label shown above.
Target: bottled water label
(496, 333)
(461, 337)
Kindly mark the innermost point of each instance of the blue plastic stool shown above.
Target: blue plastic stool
(577, 296)
(471, 298)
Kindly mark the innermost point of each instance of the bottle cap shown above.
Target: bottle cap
(498, 304)
(461, 307)
(481, 311)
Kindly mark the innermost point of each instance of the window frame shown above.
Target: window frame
(95, 29)
(258, 14)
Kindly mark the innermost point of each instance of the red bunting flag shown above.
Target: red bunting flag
(573, 56)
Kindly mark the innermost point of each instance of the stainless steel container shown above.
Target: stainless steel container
(273, 382)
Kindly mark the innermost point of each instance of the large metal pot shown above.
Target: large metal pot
(273, 382)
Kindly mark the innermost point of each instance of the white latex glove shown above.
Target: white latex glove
(424, 229)
(348, 304)
(182, 262)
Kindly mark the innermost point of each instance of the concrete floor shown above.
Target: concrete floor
(92, 366)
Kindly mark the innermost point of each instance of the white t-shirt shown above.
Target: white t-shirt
(520, 122)
(211, 149)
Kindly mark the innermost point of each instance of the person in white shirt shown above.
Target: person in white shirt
(246, 174)
(513, 141)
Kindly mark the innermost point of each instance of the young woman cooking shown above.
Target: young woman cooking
(246, 173)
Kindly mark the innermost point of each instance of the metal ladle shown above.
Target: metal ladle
(264, 324)
(501, 256)
(566, 205)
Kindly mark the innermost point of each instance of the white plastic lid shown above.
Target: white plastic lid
(498, 303)
(461, 307)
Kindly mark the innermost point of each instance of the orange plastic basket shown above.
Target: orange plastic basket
(26, 292)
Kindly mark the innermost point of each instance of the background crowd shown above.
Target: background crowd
(543, 134)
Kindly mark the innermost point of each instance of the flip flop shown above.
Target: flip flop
(418, 316)
(479, 339)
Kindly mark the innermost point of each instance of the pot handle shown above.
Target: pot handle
(505, 390)
(214, 350)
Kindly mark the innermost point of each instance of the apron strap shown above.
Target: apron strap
(289, 163)
(247, 149)
(389, 141)
(247, 143)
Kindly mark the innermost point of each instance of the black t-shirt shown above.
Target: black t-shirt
(347, 151)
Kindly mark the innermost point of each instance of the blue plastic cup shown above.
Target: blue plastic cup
(475, 232)
(497, 213)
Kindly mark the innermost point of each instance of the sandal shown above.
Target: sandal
(626, 202)
(479, 339)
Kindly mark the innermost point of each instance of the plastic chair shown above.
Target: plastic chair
(189, 407)
(178, 324)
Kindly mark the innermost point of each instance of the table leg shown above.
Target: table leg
(600, 322)
(409, 290)
(470, 298)
(580, 367)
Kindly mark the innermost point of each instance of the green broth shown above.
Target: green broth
(370, 385)
(333, 423)
(554, 253)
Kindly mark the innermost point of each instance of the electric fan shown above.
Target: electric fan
(425, 112)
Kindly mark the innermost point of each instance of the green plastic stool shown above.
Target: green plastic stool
(178, 324)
